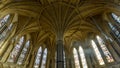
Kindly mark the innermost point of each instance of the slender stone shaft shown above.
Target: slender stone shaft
(60, 58)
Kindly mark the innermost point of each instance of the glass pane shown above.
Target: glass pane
(105, 50)
(38, 57)
(4, 20)
(97, 53)
(44, 59)
(14, 54)
(115, 29)
(76, 60)
(116, 18)
(111, 26)
(82, 56)
(23, 53)
(5, 31)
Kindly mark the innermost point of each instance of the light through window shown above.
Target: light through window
(44, 59)
(4, 28)
(4, 20)
(97, 53)
(115, 30)
(116, 18)
(4, 34)
(105, 50)
(38, 57)
(76, 60)
(83, 59)
(23, 53)
(14, 54)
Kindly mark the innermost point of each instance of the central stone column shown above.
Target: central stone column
(60, 58)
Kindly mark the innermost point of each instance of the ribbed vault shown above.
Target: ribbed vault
(50, 20)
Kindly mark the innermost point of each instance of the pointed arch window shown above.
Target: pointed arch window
(76, 60)
(116, 17)
(4, 20)
(115, 30)
(5, 34)
(104, 49)
(23, 53)
(4, 28)
(38, 57)
(15, 52)
(44, 59)
(82, 56)
(98, 55)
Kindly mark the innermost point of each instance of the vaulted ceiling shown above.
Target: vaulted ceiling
(50, 20)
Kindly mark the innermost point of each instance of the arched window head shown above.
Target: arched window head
(76, 59)
(82, 56)
(10, 26)
(23, 53)
(98, 55)
(21, 40)
(117, 18)
(38, 57)
(4, 28)
(4, 20)
(16, 50)
(44, 58)
(104, 49)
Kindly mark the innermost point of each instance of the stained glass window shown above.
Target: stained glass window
(76, 59)
(116, 18)
(23, 53)
(14, 54)
(105, 50)
(38, 57)
(4, 29)
(44, 59)
(82, 56)
(5, 34)
(4, 20)
(115, 29)
(98, 55)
